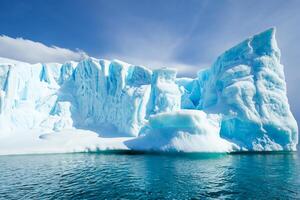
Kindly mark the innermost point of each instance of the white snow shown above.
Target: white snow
(67, 141)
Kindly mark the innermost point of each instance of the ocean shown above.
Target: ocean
(129, 175)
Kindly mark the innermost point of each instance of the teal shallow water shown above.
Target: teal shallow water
(150, 176)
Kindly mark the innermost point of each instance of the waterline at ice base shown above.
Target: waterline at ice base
(238, 104)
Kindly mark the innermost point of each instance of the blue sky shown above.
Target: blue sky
(186, 34)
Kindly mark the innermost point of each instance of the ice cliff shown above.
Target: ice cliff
(237, 104)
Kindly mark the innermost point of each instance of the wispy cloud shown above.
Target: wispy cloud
(33, 52)
(152, 44)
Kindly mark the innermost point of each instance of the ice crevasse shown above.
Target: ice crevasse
(238, 104)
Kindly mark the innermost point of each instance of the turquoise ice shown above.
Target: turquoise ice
(237, 104)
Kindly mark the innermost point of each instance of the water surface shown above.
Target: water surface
(150, 176)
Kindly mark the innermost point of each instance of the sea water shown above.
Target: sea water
(123, 175)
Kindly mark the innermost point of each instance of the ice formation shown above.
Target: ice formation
(238, 104)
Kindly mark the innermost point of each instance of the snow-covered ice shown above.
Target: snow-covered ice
(238, 104)
(182, 130)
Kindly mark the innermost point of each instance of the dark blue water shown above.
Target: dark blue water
(150, 176)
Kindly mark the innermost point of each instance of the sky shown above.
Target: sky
(186, 34)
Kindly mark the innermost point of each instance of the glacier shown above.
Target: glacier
(238, 104)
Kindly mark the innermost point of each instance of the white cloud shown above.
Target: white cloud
(33, 52)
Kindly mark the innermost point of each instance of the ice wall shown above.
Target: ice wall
(242, 99)
(165, 94)
(112, 95)
(247, 85)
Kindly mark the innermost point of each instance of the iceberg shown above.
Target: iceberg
(238, 104)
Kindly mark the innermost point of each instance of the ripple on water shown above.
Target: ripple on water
(150, 176)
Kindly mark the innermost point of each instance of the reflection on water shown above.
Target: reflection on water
(150, 176)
